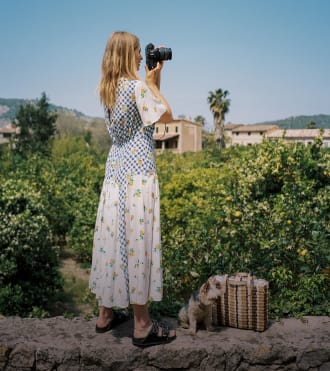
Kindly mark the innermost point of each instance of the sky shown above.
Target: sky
(273, 56)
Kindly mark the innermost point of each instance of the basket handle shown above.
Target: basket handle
(242, 274)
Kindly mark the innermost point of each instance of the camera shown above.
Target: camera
(154, 55)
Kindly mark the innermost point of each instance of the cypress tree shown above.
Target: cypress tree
(36, 127)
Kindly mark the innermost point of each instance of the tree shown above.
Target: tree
(36, 127)
(200, 119)
(219, 105)
(29, 275)
(311, 125)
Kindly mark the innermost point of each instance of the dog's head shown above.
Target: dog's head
(210, 291)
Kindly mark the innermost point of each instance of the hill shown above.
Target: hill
(301, 122)
(9, 108)
(79, 121)
(70, 122)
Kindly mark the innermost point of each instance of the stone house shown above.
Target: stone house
(178, 136)
(6, 133)
(305, 136)
(253, 134)
(245, 135)
(228, 132)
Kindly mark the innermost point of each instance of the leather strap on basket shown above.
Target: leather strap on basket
(223, 284)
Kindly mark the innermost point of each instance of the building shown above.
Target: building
(245, 135)
(6, 133)
(305, 136)
(178, 136)
(228, 132)
(253, 134)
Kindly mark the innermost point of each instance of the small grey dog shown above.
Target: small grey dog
(199, 308)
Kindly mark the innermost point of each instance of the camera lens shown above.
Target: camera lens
(165, 54)
(154, 55)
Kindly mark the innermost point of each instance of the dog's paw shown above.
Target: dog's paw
(192, 331)
(210, 328)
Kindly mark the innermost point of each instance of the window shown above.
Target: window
(156, 129)
(166, 129)
(176, 129)
(249, 133)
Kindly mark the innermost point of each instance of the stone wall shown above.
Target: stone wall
(72, 344)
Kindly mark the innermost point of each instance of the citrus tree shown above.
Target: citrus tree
(29, 276)
(263, 209)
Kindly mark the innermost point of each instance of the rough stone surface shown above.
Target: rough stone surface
(72, 344)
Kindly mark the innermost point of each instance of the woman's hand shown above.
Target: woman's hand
(153, 76)
(153, 81)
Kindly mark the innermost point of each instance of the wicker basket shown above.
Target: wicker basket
(243, 302)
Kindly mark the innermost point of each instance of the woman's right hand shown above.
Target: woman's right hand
(153, 81)
(153, 76)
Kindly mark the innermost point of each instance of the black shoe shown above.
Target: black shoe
(118, 318)
(155, 337)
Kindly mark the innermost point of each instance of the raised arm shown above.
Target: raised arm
(153, 82)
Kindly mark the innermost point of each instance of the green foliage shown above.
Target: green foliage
(28, 263)
(36, 127)
(308, 295)
(69, 183)
(80, 236)
(200, 119)
(80, 174)
(263, 209)
(44, 199)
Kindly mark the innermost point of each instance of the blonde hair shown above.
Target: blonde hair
(118, 61)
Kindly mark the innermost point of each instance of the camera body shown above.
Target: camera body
(154, 55)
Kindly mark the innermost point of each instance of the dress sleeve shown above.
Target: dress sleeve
(149, 107)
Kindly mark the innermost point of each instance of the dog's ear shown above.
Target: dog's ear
(212, 279)
(205, 288)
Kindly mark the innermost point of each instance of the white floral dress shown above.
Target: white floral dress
(126, 264)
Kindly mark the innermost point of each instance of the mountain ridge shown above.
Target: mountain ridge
(300, 122)
(10, 106)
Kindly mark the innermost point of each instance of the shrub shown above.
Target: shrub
(80, 236)
(263, 209)
(80, 173)
(29, 274)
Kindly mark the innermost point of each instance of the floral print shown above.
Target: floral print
(127, 262)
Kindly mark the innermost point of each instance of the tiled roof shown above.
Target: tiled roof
(8, 129)
(299, 133)
(232, 126)
(252, 128)
(163, 137)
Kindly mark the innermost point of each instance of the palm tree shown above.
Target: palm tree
(200, 119)
(311, 125)
(219, 105)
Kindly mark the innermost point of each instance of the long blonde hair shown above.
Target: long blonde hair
(118, 61)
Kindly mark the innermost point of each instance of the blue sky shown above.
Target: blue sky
(273, 56)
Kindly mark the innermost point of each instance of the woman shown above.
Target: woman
(126, 266)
